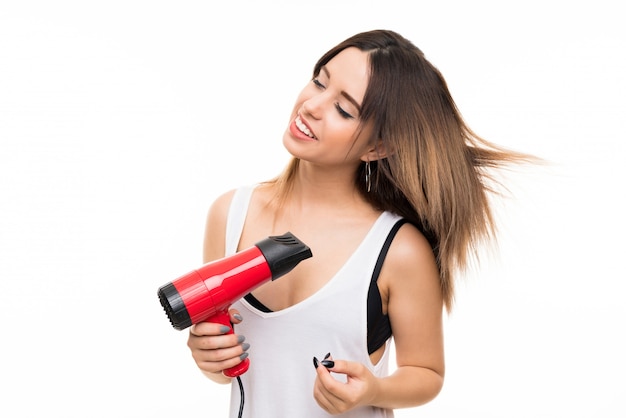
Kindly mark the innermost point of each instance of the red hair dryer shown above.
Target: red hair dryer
(206, 294)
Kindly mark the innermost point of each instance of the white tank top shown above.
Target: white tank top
(279, 382)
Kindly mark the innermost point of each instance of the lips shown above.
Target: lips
(302, 127)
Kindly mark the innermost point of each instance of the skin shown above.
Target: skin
(324, 191)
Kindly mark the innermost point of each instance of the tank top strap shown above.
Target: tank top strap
(237, 217)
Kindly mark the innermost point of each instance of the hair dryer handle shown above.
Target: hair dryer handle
(223, 317)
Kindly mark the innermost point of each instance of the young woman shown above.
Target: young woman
(390, 189)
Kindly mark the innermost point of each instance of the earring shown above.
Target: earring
(368, 176)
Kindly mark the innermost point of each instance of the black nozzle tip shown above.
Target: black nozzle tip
(174, 306)
(283, 253)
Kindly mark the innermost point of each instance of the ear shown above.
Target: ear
(376, 152)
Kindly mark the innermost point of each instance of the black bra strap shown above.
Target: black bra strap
(378, 324)
(385, 249)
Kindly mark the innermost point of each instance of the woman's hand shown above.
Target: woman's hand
(335, 396)
(213, 349)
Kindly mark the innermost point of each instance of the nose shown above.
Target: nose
(313, 106)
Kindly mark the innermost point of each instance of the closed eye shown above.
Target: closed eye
(318, 83)
(342, 112)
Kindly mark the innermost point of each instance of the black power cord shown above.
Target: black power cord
(241, 392)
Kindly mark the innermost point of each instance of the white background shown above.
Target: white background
(121, 121)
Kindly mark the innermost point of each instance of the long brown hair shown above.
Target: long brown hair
(437, 172)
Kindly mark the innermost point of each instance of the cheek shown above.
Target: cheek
(362, 145)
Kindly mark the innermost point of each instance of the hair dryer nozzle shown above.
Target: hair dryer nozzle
(174, 306)
(283, 253)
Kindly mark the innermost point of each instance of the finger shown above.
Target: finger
(215, 342)
(215, 359)
(235, 316)
(324, 397)
(217, 366)
(220, 354)
(337, 366)
(320, 394)
(328, 385)
(208, 328)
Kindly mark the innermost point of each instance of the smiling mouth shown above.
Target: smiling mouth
(303, 128)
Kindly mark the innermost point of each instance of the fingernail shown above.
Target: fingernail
(243, 356)
(329, 364)
(316, 362)
(326, 356)
(224, 329)
(240, 339)
(245, 346)
(238, 317)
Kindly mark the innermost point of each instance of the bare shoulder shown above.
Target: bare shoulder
(218, 210)
(410, 245)
(410, 263)
(215, 227)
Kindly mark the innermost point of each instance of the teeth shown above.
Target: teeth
(303, 128)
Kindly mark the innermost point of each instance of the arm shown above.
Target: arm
(409, 282)
(415, 309)
(210, 348)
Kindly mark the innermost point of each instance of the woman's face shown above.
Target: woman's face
(326, 116)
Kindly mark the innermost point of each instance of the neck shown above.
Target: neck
(316, 186)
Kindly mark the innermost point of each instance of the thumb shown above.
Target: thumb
(235, 316)
(337, 366)
(349, 368)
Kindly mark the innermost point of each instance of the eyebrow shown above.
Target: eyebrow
(343, 93)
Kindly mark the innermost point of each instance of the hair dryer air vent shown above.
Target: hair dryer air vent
(174, 306)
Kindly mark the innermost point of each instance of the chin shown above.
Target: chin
(288, 142)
